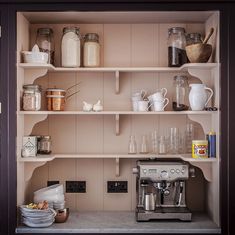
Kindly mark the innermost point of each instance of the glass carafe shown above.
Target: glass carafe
(180, 95)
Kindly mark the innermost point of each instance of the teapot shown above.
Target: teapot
(198, 98)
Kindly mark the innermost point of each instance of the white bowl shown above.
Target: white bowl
(50, 198)
(51, 190)
(35, 57)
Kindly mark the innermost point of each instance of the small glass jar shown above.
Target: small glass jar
(176, 47)
(31, 97)
(193, 38)
(91, 53)
(71, 47)
(45, 42)
(180, 95)
(45, 145)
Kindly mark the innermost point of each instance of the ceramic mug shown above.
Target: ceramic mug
(138, 95)
(143, 106)
(160, 105)
(159, 95)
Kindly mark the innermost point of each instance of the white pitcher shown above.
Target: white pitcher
(198, 96)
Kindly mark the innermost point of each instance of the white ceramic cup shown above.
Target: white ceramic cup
(135, 105)
(139, 95)
(159, 95)
(160, 105)
(143, 106)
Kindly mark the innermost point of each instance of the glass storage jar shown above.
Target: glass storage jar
(71, 47)
(91, 53)
(44, 145)
(176, 47)
(180, 95)
(45, 42)
(193, 38)
(31, 97)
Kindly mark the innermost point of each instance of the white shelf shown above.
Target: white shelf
(184, 67)
(124, 222)
(185, 157)
(116, 113)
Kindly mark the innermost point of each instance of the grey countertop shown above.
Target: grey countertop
(124, 222)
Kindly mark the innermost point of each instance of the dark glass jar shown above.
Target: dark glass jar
(193, 38)
(46, 43)
(180, 95)
(176, 47)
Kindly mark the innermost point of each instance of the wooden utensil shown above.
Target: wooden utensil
(208, 36)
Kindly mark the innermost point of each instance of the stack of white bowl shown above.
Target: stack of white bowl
(53, 194)
(37, 218)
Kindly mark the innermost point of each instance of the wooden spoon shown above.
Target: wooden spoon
(208, 36)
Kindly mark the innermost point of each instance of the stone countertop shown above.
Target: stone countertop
(124, 222)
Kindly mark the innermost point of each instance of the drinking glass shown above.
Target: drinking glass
(144, 144)
(132, 148)
(154, 139)
(189, 136)
(174, 140)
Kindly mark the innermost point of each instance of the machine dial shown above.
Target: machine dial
(164, 174)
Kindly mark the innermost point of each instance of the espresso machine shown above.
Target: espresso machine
(160, 189)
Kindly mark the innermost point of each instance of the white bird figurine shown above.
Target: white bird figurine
(87, 107)
(97, 107)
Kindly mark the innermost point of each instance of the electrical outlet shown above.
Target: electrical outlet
(52, 182)
(117, 186)
(75, 186)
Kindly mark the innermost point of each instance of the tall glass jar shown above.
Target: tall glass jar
(180, 95)
(193, 38)
(46, 43)
(31, 97)
(91, 51)
(71, 47)
(176, 47)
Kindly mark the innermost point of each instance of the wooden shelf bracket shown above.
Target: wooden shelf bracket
(117, 84)
(117, 120)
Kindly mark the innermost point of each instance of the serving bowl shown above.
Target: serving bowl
(199, 53)
(51, 190)
(35, 57)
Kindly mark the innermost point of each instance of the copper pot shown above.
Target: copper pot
(55, 91)
(55, 102)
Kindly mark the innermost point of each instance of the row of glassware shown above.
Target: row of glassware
(174, 142)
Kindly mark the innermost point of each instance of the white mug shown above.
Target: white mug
(159, 95)
(135, 105)
(139, 95)
(143, 106)
(160, 105)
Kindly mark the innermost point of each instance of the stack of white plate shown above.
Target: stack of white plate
(37, 218)
(53, 194)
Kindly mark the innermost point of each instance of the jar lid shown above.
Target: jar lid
(194, 36)
(176, 30)
(180, 77)
(55, 89)
(32, 87)
(46, 137)
(92, 37)
(55, 96)
(71, 29)
(45, 31)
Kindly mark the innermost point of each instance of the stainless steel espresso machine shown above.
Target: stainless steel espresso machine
(161, 190)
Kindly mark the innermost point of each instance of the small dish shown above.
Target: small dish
(35, 57)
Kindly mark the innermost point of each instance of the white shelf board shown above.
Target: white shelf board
(108, 222)
(116, 113)
(185, 157)
(184, 67)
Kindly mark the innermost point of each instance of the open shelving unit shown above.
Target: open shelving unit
(93, 144)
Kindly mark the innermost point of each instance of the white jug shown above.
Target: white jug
(198, 96)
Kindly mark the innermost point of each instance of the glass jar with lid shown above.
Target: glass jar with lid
(71, 47)
(45, 42)
(193, 38)
(176, 47)
(180, 95)
(91, 53)
(44, 145)
(31, 97)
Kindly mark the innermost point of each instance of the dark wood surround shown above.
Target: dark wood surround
(8, 9)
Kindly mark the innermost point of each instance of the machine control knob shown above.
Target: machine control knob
(172, 171)
(177, 171)
(145, 171)
(164, 174)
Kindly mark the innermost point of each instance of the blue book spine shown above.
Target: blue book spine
(212, 144)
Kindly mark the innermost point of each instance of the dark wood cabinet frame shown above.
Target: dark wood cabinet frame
(8, 9)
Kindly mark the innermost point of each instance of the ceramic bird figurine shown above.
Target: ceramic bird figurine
(87, 107)
(97, 107)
